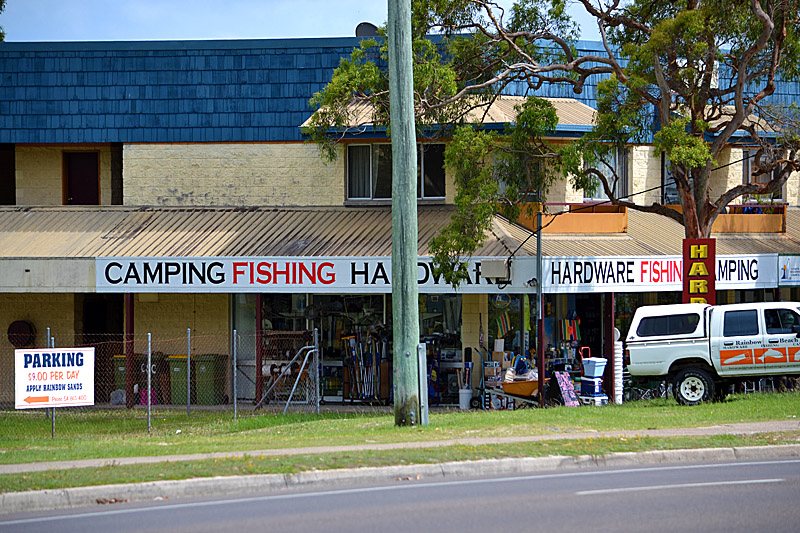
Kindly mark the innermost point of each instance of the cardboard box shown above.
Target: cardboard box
(501, 357)
(491, 371)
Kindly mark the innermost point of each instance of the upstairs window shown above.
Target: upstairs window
(619, 163)
(369, 172)
(749, 165)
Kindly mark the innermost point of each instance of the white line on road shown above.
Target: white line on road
(677, 486)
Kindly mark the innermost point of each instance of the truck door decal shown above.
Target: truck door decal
(771, 355)
(739, 356)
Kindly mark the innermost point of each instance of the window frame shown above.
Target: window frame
(748, 157)
(373, 177)
(668, 325)
(621, 158)
(728, 329)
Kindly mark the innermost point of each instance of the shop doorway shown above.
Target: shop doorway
(82, 178)
(103, 321)
(589, 309)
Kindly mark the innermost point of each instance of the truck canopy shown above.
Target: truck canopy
(665, 322)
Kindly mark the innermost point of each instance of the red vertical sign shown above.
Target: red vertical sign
(699, 262)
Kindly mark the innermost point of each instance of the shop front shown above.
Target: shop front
(348, 300)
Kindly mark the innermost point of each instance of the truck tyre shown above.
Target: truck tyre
(693, 386)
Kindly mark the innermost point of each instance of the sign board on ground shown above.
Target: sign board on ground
(567, 389)
(53, 377)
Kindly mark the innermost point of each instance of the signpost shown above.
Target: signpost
(699, 260)
(53, 377)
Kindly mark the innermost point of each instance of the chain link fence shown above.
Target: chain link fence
(150, 378)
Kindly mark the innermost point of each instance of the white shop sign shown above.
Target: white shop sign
(789, 270)
(653, 273)
(53, 377)
(289, 275)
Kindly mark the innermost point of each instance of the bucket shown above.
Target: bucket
(464, 397)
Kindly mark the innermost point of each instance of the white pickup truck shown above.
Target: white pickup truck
(702, 349)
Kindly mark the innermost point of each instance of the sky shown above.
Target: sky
(126, 20)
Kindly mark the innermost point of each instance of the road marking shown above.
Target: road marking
(363, 490)
(677, 486)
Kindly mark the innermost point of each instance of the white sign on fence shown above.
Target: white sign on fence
(53, 377)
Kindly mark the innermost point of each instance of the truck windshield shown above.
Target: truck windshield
(654, 326)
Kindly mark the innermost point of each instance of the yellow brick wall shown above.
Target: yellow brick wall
(791, 191)
(290, 174)
(645, 174)
(55, 311)
(474, 310)
(167, 316)
(39, 173)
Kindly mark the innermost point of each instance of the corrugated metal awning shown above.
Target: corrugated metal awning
(88, 232)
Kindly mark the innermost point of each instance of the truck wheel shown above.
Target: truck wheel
(693, 386)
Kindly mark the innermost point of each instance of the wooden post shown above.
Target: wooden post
(259, 345)
(405, 305)
(609, 375)
(130, 362)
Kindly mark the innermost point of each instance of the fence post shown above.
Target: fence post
(235, 395)
(47, 345)
(149, 379)
(316, 375)
(52, 344)
(188, 371)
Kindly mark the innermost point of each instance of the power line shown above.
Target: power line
(626, 197)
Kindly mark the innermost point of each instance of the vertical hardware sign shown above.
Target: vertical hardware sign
(699, 261)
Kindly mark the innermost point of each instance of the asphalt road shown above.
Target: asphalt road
(730, 496)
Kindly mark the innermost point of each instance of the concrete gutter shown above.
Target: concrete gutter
(38, 500)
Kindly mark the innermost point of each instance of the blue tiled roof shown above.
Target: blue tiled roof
(162, 91)
(183, 91)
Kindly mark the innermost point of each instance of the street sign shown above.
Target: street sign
(53, 377)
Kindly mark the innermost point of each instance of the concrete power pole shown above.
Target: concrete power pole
(405, 306)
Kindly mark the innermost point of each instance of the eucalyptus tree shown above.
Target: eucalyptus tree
(692, 76)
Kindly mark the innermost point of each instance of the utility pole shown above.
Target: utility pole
(405, 305)
(540, 309)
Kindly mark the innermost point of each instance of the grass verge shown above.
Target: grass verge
(265, 464)
(96, 433)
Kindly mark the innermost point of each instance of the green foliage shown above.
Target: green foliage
(468, 157)
(356, 76)
(494, 173)
(2, 31)
(676, 67)
(681, 147)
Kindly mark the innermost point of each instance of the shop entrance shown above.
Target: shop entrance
(589, 311)
(103, 319)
